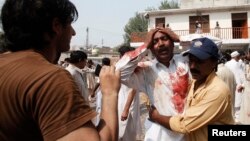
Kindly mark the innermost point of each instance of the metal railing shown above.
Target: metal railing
(222, 33)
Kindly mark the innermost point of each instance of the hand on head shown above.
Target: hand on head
(150, 35)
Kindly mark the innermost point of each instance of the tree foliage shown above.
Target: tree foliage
(140, 24)
(136, 24)
(173, 4)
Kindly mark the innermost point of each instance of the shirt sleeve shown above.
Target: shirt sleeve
(202, 112)
(59, 107)
(128, 64)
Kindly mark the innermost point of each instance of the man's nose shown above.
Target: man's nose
(192, 64)
(160, 42)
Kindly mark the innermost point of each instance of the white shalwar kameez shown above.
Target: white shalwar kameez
(165, 87)
(245, 104)
(131, 127)
(234, 66)
(80, 79)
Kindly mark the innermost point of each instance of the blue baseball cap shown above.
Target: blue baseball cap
(203, 48)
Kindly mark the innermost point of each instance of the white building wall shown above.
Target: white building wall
(224, 19)
(181, 21)
(151, 23)
(178, 22)
(211, 3)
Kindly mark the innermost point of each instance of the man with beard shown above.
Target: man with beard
(164, 79)
(208, 100)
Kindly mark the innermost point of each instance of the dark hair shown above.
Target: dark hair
(2, 43)
(77, 56)
(25, 21)
(224, 57)
(123, 49)
(66, 59)
(90, 62)
(106, 61)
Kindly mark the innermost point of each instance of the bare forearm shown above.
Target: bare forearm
(130, 99)
(108, 126)
(164, 121)
(155, 116)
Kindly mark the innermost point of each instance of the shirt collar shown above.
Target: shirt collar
(208, 80)
(74, 67)
(157, 63)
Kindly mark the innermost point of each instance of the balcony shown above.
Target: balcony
(222, 33)
(233, 38)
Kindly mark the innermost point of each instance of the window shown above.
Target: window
(203, 20)
(240, 26)
(160, 22)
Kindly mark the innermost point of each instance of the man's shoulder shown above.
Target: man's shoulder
(219, 85)
(28, 60)
(72, 69)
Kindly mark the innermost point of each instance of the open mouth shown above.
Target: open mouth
(163, 52)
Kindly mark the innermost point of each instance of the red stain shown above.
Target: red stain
(179, 82)
(136, 52)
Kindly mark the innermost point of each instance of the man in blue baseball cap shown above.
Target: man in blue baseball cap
(208, 100)
(202, 52)
(203, 48)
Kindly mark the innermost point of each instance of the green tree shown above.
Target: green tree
(139, 23)
(136, 24)
(173, 4)
(150, 9)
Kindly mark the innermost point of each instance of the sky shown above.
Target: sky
(105, 19)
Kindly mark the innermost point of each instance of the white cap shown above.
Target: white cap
(235, 53)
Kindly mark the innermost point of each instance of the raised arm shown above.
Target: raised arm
(107, 130)
(108, 126)
(128, 63)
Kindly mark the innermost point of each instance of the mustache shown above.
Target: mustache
(163, 49)
(194, 71)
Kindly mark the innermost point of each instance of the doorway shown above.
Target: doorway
(239, 25)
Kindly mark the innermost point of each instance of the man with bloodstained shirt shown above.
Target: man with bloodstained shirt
(165, 79)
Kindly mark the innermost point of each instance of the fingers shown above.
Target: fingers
(151, 110)
(123, 118)
(174, 37)
(108, 76)
(152, 107)
(107, 70)
(149, 37)
(112, 69)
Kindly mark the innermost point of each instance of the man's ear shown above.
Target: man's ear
(56, 26)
